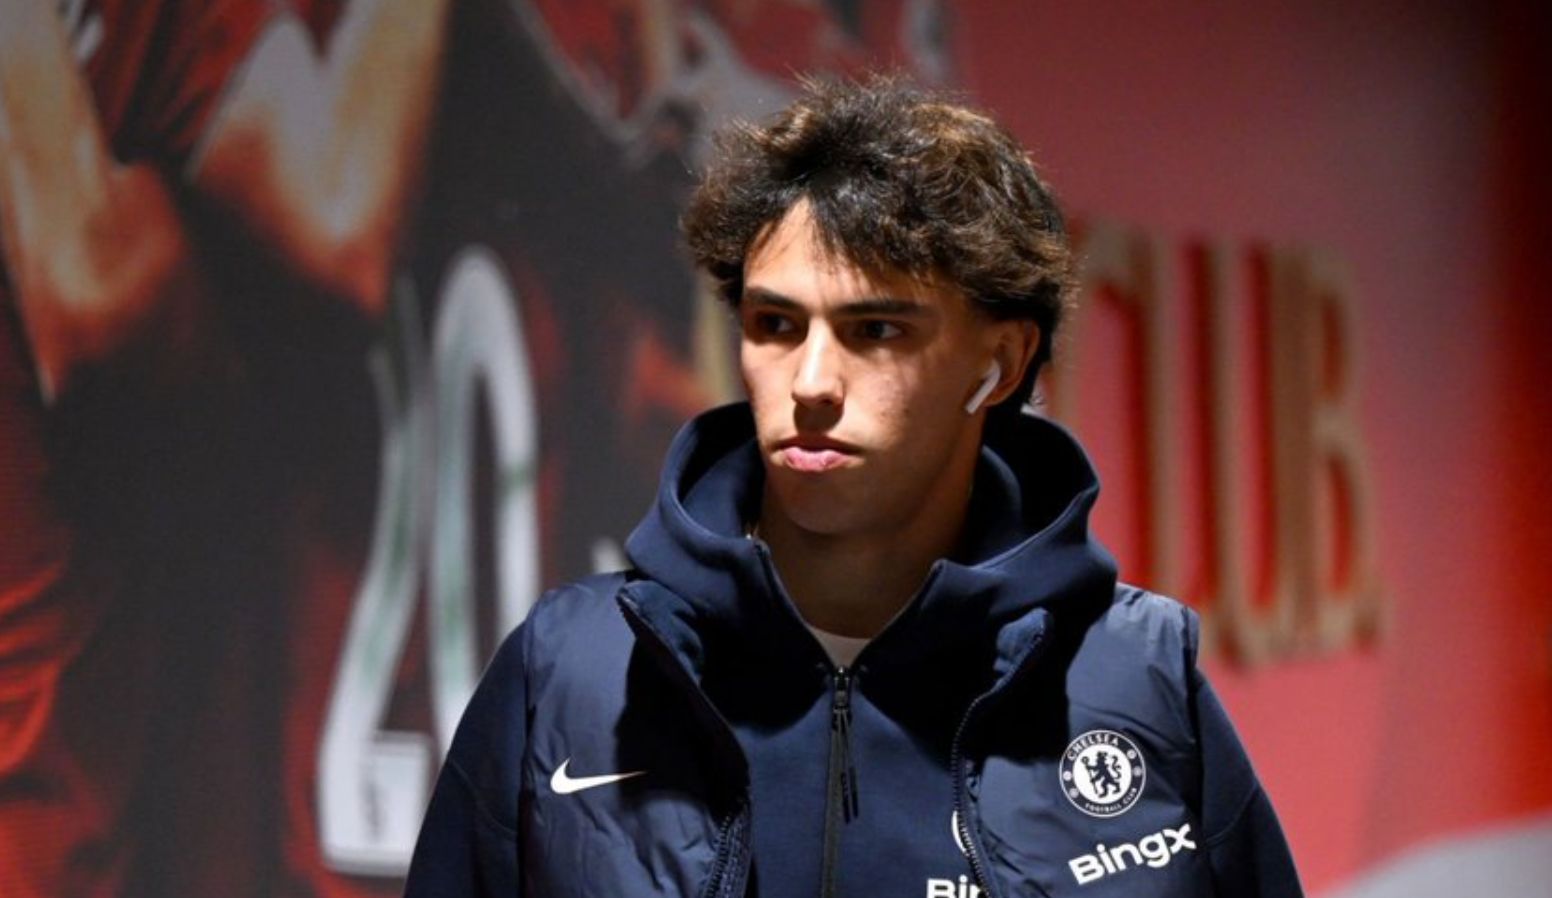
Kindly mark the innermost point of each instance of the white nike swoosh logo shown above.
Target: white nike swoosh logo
(565, 785)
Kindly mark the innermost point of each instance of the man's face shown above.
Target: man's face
(858, 381)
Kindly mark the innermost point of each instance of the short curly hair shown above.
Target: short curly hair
(897, 178)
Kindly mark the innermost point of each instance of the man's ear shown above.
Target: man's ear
(1015, 349)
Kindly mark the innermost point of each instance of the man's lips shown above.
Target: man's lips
(814, 455)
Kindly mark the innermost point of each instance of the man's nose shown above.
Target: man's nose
(819, 381)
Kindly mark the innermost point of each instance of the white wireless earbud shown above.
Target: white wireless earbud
(988, 383)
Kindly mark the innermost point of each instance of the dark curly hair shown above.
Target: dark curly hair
(897, 178)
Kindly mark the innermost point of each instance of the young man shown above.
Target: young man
(868, 646)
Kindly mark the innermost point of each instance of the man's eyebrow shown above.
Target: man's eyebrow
(871, 305)
(766, 297)
(885, 305)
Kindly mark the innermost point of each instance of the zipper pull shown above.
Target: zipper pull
(840, 743)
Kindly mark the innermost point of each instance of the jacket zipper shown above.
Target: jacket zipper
(961, 804)
(732, 831)
(841, 805)
(967, 834)
(730, 866)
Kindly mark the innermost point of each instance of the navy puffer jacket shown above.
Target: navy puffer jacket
(1024, 727)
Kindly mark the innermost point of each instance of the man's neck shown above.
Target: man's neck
(853, 584)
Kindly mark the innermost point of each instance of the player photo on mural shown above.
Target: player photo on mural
(332, 331)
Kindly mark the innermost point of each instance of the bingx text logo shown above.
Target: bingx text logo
(1156, 851)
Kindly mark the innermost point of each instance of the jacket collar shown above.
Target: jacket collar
(1026, 556)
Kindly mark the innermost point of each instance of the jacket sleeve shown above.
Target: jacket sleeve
(1240, 833)
(468, 844)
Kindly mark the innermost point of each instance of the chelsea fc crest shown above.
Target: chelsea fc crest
(1102, 773)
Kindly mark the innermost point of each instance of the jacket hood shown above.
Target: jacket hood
(1027, 552)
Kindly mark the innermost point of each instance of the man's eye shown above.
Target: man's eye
(879, 330)
(771, 324)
